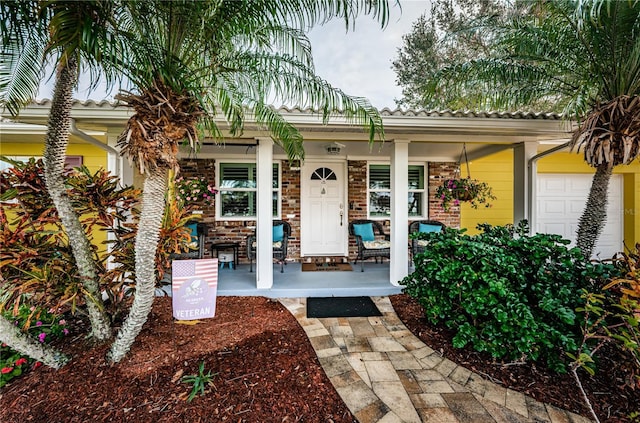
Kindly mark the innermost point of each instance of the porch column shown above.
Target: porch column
(264, 214)
(522, 183)
(399, 262)
(118, 165)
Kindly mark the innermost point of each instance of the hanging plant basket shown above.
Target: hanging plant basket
(455, 191)
(462, 195)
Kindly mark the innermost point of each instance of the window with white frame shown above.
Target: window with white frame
(237, 185)
(380, 191)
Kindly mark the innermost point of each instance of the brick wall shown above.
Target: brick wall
(291, 206)
(438, 172)
(237, 231)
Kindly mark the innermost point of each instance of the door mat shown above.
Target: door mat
(323, 267)
(341, 307)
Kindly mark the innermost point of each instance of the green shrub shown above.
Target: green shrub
(505, 292)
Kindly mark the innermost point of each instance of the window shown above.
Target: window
(237, 186)
(380, 191)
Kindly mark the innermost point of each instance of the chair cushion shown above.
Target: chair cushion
(426, 228)
(365, 231)
(276, 244)
(193, 228)
(377, 244)
(278, 233)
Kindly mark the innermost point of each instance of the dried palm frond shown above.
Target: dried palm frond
(611, 132)
(161, 121)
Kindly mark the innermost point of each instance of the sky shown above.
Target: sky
(359, 62)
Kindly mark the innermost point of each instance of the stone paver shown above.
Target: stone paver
(384, 374)
(466, 408)
(381, 371)
(397, 399)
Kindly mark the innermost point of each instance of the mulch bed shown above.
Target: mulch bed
(264, 368)
(609, 391)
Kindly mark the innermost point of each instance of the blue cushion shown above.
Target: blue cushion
(365, 230)
(426, 228)
(278, 233)
(193, 227)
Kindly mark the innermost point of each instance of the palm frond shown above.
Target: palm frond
(21, 70)
(565, 54)
(611, 133)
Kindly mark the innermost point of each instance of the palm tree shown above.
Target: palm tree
(189, 62)
(72, 35)
(582, 58)
(198, 61)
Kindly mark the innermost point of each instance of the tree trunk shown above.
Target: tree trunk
(11, 335)
(151, 215)
(56, 142)
(595, 212)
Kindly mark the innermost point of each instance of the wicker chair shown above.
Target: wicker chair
(280, 248)
(199, 232)
(375, 245)
(417, 245)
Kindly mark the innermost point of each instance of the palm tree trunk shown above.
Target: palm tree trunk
(151, 215)
(56, 142)
(595, 212)
(11, 335)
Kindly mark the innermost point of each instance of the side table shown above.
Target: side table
(216, 247)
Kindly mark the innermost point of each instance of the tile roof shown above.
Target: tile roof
(103, 104)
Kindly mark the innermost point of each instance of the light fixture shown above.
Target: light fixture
(334, 148)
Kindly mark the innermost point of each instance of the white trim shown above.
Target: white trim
(424, 191)
(398, 263)
(218, 209)
(264, 218)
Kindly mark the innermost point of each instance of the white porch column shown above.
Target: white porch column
(399, 263)
(264, 214)
(522, 183)
(116, 164)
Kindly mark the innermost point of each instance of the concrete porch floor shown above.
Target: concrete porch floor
(294, 283)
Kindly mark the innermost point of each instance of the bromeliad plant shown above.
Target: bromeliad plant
(455, 191)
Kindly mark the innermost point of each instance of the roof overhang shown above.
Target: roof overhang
(443, 131)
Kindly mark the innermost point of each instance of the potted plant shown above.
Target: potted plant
(454, 191)
(194, 190)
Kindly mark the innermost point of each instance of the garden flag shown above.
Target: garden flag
(194, 288)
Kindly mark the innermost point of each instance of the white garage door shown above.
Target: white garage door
(560, 201)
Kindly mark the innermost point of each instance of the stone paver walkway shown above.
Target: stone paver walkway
(385, 374)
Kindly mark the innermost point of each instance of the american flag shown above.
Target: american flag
(185, 270)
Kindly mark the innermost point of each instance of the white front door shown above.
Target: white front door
(323, 216)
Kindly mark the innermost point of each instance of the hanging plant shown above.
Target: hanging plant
(454, 191)
(194, 190)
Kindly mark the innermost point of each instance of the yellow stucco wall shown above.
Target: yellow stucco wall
(92, 157)
(496, 170)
